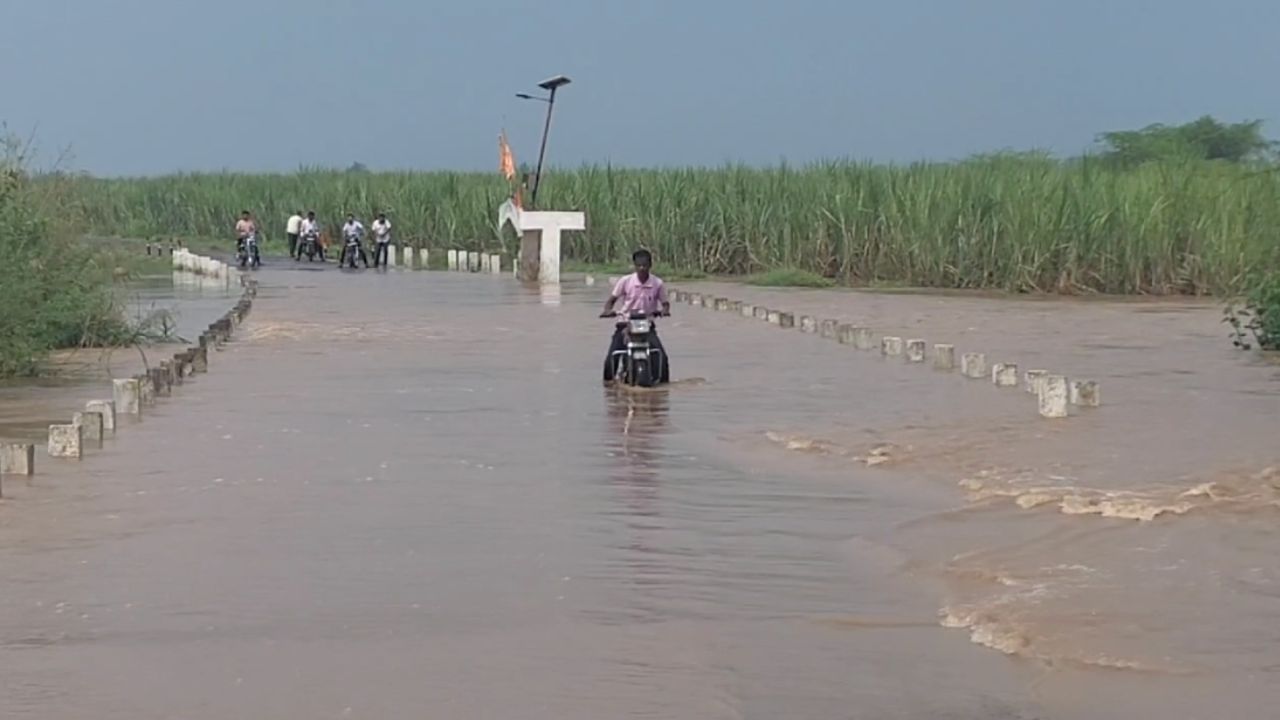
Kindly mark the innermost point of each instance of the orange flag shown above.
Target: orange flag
(506, 161)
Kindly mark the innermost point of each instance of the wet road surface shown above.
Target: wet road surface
(407, 495)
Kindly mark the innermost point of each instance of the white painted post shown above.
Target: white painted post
(973, 365)
(473, 261)
(65, 441)
(90, 427)
(424, 255)
(1053, 396)
(1033, 378)
(748, 311)
(808, 324)
(18, 459)
(786, 320)
(891, 346)
(944, 357)
(863, 339)
(453, 259)
(1004, 374)
(392, 255)
(495, 264)
(829, 328)
(127, 395)
(107, 408)
(915, 351)
(1085, 393)
(774, 317)
(408, 258)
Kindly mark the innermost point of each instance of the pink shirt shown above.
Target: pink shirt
(646, 297)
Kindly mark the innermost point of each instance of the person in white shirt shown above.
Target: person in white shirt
(352, 233)
(310, 229)
(292, 229)
(382, 239)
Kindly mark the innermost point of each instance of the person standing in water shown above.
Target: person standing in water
(381, 239)
(292, 230)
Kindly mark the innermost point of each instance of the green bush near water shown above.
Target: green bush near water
(1017, 222)
(57, 292)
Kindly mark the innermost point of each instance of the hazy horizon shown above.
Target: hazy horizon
(144, 87)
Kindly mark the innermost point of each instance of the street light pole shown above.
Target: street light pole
(551, 85)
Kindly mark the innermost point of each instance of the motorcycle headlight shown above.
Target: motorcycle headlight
(640, 327)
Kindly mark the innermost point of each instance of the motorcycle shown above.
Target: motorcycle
(310, 246)
(639, 363)
(353, 248)
(247, 252)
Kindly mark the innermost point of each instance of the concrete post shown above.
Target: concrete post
(808, 324)
(786, 320)
(973, 365)
(393, 254)
(127, 396)
(748, 310)
(863, 339)
(495, 264)
(1004, 374)
(18, 459)
(891, 346)
(65, 441)
(915, 351)
(722, 304)
(735, 306)
(158, 385)
(761, 313)
(844, 334)
(146, 390)
(1053, 396)
(696, 299)
(453, 259)
(473, 261)
(774, 317)
(107, 409)
(1085, 393)
(90, 427)
(200, 360)
(424, 255)
(829, 328)
(1033, 379)
(944, 357)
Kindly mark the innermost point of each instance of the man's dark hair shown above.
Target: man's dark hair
(244, 212)
(639, 255)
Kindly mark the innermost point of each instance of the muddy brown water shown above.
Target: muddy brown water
(407, 495)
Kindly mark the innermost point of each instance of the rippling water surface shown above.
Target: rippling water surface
(407, 495)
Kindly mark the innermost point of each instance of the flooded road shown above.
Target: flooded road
(180, 306)
(407, 495)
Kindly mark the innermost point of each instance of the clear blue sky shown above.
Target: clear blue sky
(153, 86)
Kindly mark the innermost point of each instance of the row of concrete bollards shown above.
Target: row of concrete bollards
(1055, 393)
(477, 262)
(403, 257)
(90, 427)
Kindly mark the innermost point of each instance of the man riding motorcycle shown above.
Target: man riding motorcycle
(640, 292)
(310, 237)
(246, 230)
(352, 234)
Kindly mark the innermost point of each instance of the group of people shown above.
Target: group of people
(302, 230)
(306, 231)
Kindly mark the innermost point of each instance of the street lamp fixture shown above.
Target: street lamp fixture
(550, 85)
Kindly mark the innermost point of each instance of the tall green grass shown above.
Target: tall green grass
(1020, 223)
(56, 292)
